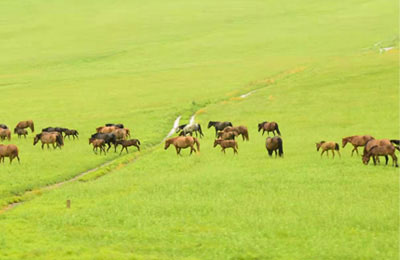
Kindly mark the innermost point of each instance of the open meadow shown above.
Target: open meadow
(320, 69)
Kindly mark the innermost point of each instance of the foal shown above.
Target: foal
(326, 146)
(5, 133)
(98, 143)
(126, 143)
(69, 132)
(20, 131)
(227, 144)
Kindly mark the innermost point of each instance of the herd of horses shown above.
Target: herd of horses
(117, 134)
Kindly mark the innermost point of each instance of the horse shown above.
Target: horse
(269, 127)
(182, 142)
(189, 129)
(71, 132)
(241, 130)
(26, 124)
(121, 133)
(356, 141)
(21, 132)
(54, 129)
(106, 129)
(54, 138)
(3, 126)
(10, 151)
(227, 144)
(380, 150)
(326, 146)
(5, 133)
(373, 142)
(97, 143)
(219, 126)
(116, 125)
(126, 143)
(108, 139)
(180, 128)
(227, 135)
(274, 144)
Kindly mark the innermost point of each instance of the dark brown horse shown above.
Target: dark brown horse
(21, 131)
(126, 143)
(182, 142)
(326, 146)
(380, 150)
(10, 151)
(356, 141)
(219, 126)
(25, 124)
(71, 132)
(5, 133)
(227, 135)
(240, 130)
(227, 144)
(269, 127)
(274, 144)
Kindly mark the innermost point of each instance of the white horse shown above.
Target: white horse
(190, 128)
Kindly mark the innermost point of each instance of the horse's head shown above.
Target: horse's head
(210, 124)
(319, 145)
(167, 144)
(15, 130)
(345, 141)
(217, 142)
(365, 159)
(91, 140)
(36, 139)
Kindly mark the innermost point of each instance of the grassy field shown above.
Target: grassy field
(316, 69)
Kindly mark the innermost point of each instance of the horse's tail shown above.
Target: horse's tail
(138, 141)
(236, 145)
(395, 142)
(277, 129)
(197, 144)
(336, 146)
(9, 135)
(201, 132)
(398, 148)
(280, 146)
(32, 127)
(246, 135)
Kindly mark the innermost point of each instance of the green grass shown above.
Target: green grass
(316, 71)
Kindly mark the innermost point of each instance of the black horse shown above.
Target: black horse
(3, 126)
(116, 125)
(70, 132)
(219, 126)
(108, 139)
(54, 129)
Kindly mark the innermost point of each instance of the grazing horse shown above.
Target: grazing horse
(182, 142)
(108, 139)
(227, 135)
(126, 143)
(219, 126)
(269, 127)
(10, 151)
(54, 138)
(227, 144)
(71, 132)
(274, 144)
(116, 125)
(5, 133)
(21, 132)
(240, 130)
(326, 146)
(3, 126)
(98, 143)
(189, 129)
(26, 124)
(373, 142)
(356, 141)
(380, 150)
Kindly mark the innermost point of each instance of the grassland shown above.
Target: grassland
(316, 70)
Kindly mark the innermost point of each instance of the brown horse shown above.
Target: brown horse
(21, 131)
(274, 144)
(126, 143)
(54, 138)
(356, 141)
(25, 124)
(241, 130)
(120, 133)
(227, 135)
(10, 151)
(106, 129)
(326, 146)
(269, 127)
(98, 143)
(5, 133)
(182, 142)
(376, 142)
(380, 150)
(227, 144)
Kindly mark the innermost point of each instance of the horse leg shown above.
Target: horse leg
(42, 146)
(322, 153)
(234, 150)
(109, 146)
(126, 148)
(333, 154)
(387, 159)
(374, 159)
(121, 150)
